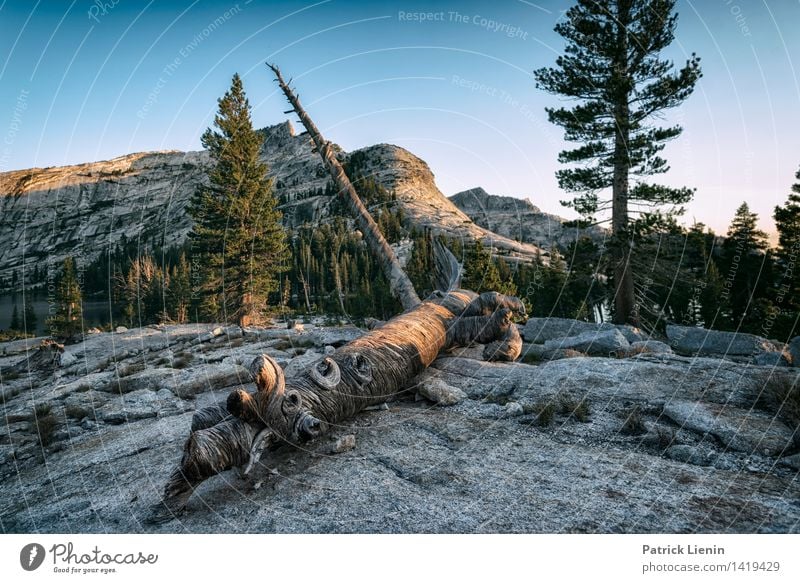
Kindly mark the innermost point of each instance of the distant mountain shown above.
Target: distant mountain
(520, 220)
(49, 213)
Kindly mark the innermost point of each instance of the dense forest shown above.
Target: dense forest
(687, 276)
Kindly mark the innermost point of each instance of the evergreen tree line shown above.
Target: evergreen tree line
(686, 276)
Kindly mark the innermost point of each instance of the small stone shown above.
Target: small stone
(689, 455)
(514, 409)
(218, 331)
(67, 359)
(88, 425)
(792, 461)
(441, 393)
(329, 349)
(120, 329)
(343, 444)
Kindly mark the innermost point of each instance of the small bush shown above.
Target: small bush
(45, 423)
(182, 360)
(781, 396)
(578, 410)
(666, 437)
(633, 423)
(544, 411)
(126, 370)
(498, 398)
(75, 412)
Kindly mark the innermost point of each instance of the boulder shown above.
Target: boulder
(699, 341)
(441, 393)
(596, 342)
(650, 346)
(120, 329)
(632, 333)
(690, 454)
(771, 359)
(540, 330)
(751, 432)
(67, 359)
(560, 354)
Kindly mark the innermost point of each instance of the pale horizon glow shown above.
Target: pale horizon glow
(81, 83)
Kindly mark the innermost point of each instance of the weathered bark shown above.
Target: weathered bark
(399, 283)
(367, 371)
(625, 309)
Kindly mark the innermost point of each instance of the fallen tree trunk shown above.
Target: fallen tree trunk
(367, 371)
(364, 372)
(399, 283)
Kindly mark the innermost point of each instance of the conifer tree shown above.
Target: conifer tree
(29, 317)
(747, 268)
(237, 232)
(611, 66)
(787, 292)
(67, 321)
(482, 274)
(14, 325)
(180, 290)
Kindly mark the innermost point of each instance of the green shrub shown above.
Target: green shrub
(633, 423)
(45, 423)
(544, 411)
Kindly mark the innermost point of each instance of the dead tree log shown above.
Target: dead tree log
(399, 283)
(364, 372)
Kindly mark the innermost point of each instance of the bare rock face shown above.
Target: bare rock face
(412, 182)
(85, 209)
(540, 330)
(519, 219)
(593, 342)
(82, 210)
(699, 341)
(521, 448)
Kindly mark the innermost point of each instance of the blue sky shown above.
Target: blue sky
(83, 80)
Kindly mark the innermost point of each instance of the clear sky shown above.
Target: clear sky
(89, 80)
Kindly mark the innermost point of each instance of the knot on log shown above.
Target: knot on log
(267, 375)
(360, 368)
(326, 374)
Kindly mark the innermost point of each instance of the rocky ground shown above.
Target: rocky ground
(635, 438)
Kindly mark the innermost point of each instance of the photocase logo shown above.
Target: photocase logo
(31, 556)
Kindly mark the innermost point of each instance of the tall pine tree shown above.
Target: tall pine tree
(29, 317)
(14, 325)
(67, 321)
(747, 268)
(611, 66)
(787, 293)
(237, 232)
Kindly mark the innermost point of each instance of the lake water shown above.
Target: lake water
(95, 312)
